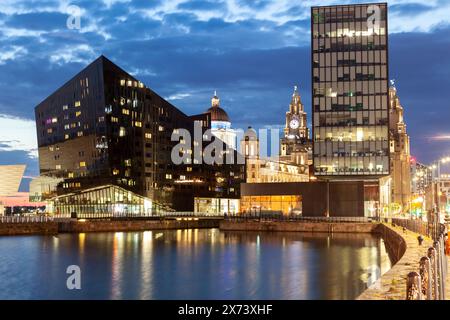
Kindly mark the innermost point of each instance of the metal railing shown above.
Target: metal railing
(25, 219)
(430, 280)
(137, 216)
(418, 226)
(296, 218)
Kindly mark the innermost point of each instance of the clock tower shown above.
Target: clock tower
(296, 126)
(296, 133)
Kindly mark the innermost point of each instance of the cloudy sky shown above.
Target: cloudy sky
(251, 51)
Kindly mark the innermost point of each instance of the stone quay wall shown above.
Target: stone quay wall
(227, 225)
(74, 226)
(11, 229)
(134, 225)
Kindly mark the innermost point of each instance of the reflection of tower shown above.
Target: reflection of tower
(250, 148)
(220, 123)
(295, 145)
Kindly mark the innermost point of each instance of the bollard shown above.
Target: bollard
(420, 239)
(413, 286)
(432, 256)
(425, 275)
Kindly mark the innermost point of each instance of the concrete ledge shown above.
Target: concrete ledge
(295, 226)
(404, 247)
(134, 225)
(10, 229)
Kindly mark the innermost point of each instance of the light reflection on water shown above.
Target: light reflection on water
(191, 264)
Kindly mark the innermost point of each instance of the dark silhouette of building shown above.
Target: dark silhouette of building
(108, 136)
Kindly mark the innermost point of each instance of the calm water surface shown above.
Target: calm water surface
(191, 264)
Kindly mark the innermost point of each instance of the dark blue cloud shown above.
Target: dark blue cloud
(37, 21)
(409, 9)
(202, 5)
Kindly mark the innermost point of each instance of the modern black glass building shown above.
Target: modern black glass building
(107, 137)
(350, 90)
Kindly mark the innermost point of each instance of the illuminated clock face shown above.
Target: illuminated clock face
(294, 123)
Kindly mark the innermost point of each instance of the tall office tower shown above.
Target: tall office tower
(350, 90)
(350, 106)
(108, 138)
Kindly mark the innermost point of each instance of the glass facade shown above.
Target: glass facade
(350, 90)
(216, 205)
(287, 204)
(102, 202)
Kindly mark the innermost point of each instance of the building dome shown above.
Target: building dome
(217, 113)
(250, 134)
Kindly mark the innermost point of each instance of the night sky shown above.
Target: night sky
(252, 52)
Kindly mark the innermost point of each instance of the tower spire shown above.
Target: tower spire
(215, 101)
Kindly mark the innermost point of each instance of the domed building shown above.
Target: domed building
(220, 123)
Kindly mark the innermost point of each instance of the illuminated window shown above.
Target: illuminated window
(82, 164)
(130, 83)
(148, 135)
(66, 127)
(70, 175)
(114, 119)
(127, 162)
(80, 133)
(138, 124)
(77, 103)
(65, 107)
(168, 176)
(182, 177)
(189, 169)
(125, 111)
(66, 136)
(122, 132)
(141, 85)
(122, 101)
(49, 130)
(115, 172)
(78, 113)
(161, 128)
(54, 120)
(58, 167)
(122, 82)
